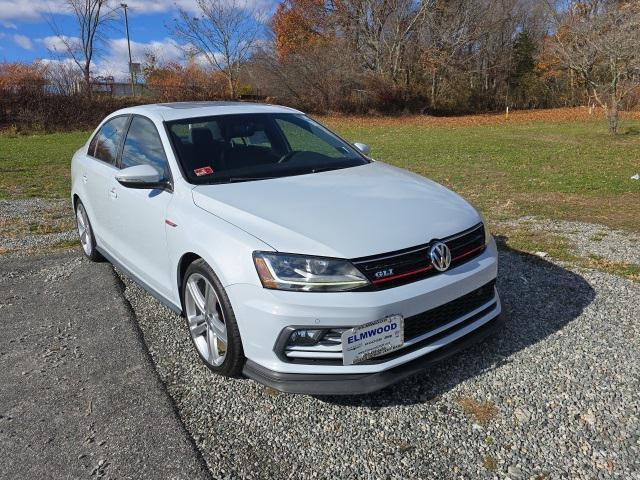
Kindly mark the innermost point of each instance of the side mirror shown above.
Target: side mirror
(363, 147)
(142, 177)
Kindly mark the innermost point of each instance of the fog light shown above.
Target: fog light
(305, 338)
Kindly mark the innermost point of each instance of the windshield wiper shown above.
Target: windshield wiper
(247, 179)
(325, 169)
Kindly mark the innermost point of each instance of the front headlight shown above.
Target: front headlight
(285, 271)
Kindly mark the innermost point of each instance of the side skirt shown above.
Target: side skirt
(153, 292)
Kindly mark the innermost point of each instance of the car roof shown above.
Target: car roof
(180, 110)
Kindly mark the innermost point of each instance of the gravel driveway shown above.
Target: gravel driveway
(34, 224)
(555, 395)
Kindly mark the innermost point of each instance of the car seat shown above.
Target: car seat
(206, 151)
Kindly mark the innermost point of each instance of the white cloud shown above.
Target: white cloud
(24, 42)
(29, 9)
(36, 9)
(116, 58)
(113, 59)
(53, 61)
(59, 44)
(159, 6)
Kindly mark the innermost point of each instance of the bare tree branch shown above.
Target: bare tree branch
(224, 33)
(598, 40)
(92, 17)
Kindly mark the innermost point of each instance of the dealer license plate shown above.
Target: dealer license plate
(372, 339)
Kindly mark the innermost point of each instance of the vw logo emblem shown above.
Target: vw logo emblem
(440, 256)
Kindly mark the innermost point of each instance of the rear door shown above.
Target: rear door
(138, 215)
(98, 174)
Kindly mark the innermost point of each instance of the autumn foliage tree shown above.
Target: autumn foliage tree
(300, 24)
(177, 82)
(401, 54)
(22, 78)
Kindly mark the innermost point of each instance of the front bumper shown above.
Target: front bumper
(263, 314)
(358, 384)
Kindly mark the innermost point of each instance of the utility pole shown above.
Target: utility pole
(126, 23)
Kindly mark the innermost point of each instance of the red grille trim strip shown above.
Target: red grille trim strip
(402, 275)
(426, 269)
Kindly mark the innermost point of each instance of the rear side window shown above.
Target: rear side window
(104, 145)
(144, 147)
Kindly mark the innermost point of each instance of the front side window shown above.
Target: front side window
(245, 147)
(106, 142)
(143, 146)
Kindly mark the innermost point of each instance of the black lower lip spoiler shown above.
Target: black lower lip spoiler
(362, 383)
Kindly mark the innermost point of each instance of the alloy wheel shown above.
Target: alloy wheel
(205, 319)
(84, 230)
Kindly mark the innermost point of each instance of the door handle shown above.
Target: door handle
(113, 193)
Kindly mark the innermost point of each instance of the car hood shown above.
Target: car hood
(347, 213)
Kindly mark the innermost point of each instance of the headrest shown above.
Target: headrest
(241, 130)
(201, 136)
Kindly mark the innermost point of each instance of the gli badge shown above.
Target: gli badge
(440, 256)
(384, 273)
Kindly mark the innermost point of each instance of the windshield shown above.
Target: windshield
(245, 147)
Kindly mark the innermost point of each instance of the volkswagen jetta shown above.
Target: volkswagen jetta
(295, 258)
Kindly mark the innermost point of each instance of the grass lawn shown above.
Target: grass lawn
(37, 165)
(569, 170)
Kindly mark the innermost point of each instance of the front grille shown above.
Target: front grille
(437, 317)
(418, 325)
(413, 264)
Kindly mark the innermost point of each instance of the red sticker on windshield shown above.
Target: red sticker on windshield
(203, 171)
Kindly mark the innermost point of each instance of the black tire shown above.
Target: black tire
(89, 249)
(234, 357)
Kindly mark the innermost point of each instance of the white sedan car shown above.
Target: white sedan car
(297, 260)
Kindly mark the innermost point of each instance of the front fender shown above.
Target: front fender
(227, 249)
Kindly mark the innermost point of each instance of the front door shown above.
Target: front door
(138, 215)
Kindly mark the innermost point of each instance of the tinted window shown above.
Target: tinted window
(244, 147)
(106, 142)
(255, 135)
(143, 146)
(307, 137)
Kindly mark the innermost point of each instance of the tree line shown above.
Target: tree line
(453, 56)
(388, 56)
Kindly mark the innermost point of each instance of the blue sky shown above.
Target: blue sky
(26, 33)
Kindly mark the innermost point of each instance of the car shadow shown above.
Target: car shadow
(538, 298)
